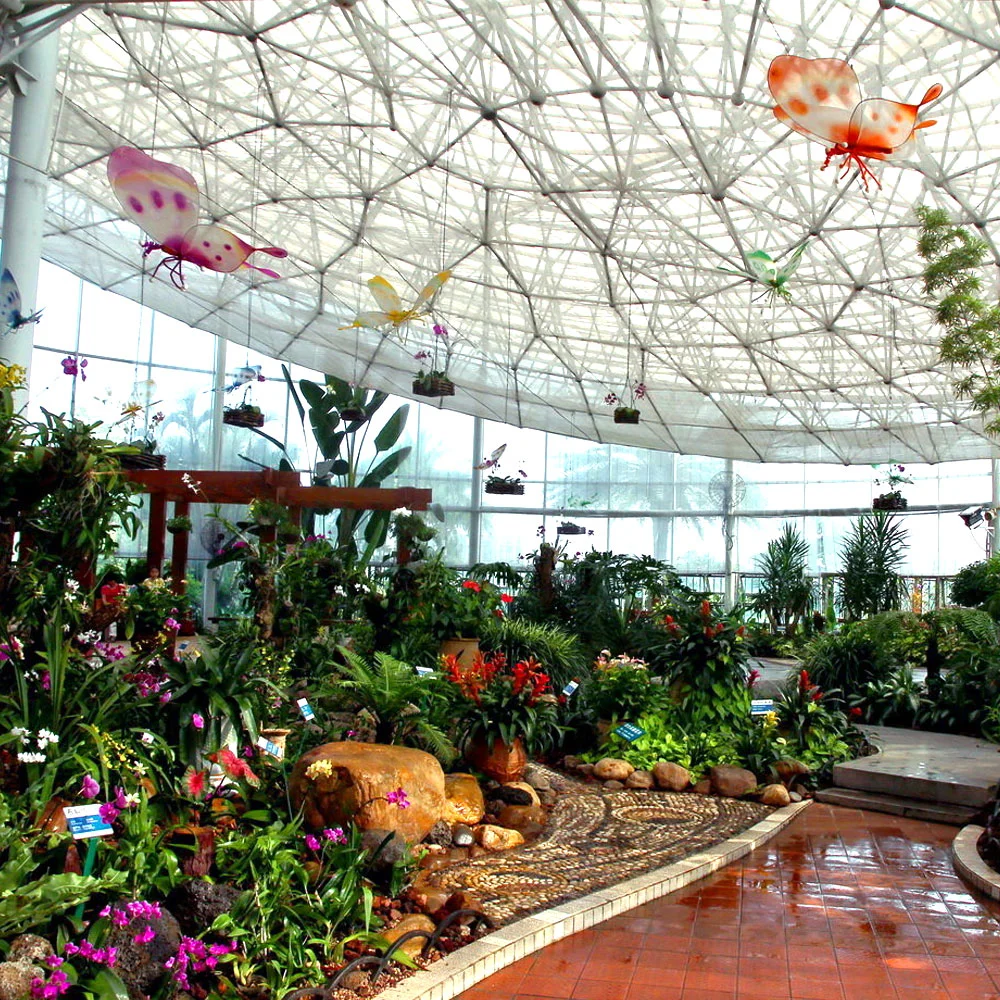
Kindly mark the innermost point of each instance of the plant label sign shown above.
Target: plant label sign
(761, 706)
(570, 688)
(86, 821)
(424, 671)
(629, 731)
(272, 748)
(306, 709)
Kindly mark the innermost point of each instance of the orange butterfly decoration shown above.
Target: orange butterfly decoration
(821, 98)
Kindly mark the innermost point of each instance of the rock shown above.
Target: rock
(462, 835)
(433, 899)
(671, 777)
(703, 787)
(795, 796)
(518, 817)
(517, 793)
(15, 979)
(463, 799)
(586, 770)
(339, 783)
(29, 949)
(357, 979)
(197, 903)
(381, 857)
(639, 779)
(547, 797)
(440, 834)
(614, 786)
(411, 922)
(791, 771)
(458, 901)
(732, 782)
(537, 779)
(612, 769)
(775, 795)
(570, 762)
(140, 966)
(498, 838)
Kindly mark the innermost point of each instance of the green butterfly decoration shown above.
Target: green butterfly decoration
(767, 271)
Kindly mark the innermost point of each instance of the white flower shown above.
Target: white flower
(86, 638)
(31, 758)
(403, 512)
(147, 738)
(48, 736)
(22, 733)
(131, 800)
(73, 585)
(66, 627)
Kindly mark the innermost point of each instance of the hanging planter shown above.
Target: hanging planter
(626, 415)
(568, 528)
(890, 501)
(504, 485)
(243, 415)
(433, 385)
(179, 525)
(352, 413)
(142, 461)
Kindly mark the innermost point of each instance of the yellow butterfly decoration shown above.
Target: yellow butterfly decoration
(391, 311)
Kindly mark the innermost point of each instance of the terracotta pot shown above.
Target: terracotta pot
(464, 649)
(276, 736)
(497, 760)
(195, 848)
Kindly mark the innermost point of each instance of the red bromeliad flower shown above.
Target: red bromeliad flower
(473, 586)
(472, 678)
(706, 608)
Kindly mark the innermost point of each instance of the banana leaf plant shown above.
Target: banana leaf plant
(340, 417)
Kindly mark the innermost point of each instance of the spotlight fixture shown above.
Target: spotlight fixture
(977, 515)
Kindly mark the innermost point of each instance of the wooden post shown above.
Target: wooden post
(179, 552)
(156, 544)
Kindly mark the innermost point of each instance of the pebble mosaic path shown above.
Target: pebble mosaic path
(596, 838)
(842, 905)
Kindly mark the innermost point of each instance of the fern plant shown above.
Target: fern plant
(954, 259)
(398, 698)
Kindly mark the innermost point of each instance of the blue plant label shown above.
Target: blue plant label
(272, 748)
(761, 706)
(306, 709)
(629, 731)
(85, 821)
(570, 688)
(424, 671)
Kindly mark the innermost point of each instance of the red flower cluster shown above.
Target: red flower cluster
(706, 609)
(473, 677)
(806, 686)
(529, 672)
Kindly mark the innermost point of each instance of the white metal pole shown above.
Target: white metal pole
(991, 528)
(27, 180)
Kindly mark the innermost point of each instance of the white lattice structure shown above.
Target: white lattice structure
(591, 171)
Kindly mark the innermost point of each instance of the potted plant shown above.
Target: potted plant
(411, 532)
(432, 380)
(145, 455)
(179, 525)
(627, 412)
(893, 499)
(504, 712)
(508, 485)
(243, 415)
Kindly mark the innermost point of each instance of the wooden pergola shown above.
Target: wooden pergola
(185, 487)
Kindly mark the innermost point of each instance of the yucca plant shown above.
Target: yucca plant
(398, 698)
(785, 591)
(872, 555)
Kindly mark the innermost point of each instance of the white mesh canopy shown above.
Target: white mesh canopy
(592, 171)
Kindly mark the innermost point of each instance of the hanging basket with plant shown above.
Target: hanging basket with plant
(434, 381)
(179, 525)
(506, 485)
(627, 412)
(568, 528)
(626, 415)
(244, 415)
(893, 499)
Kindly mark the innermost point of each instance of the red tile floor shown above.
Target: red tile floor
(842, 905)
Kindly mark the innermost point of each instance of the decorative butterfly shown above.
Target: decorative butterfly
(391, 311)
(821, 98)
(767, 271)
(493, 460)
(10, 302)
(246, 375)
(162, 200)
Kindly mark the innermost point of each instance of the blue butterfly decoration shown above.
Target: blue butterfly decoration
(10, 300)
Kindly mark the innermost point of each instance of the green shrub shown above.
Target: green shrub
(846, 661)
(621, 689)
(557, 649)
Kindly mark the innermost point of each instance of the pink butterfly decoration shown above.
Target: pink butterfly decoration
(821, 99)
(162, 200)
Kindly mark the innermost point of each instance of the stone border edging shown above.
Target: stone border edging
(462, 969)
(970, 866)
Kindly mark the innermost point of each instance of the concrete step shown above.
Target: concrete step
(933, 767)
(933, 812)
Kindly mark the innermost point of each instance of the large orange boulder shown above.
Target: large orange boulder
(464, 801)
(339, 783)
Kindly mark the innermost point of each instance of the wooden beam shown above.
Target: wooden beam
(179, 552)
(157, 530)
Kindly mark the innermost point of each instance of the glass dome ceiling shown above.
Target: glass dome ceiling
(593, 172)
